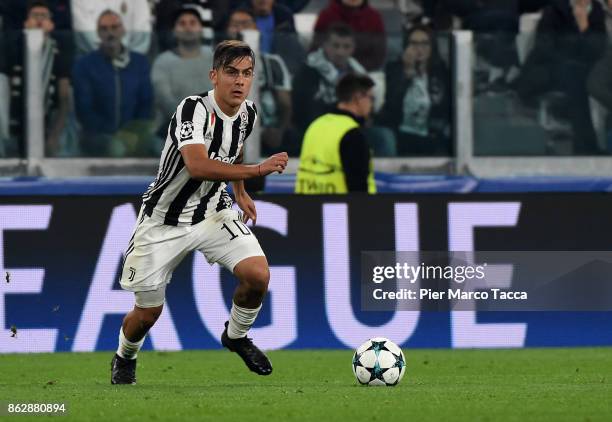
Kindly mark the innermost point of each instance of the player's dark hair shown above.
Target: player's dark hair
(340, 29)
(351, 84)
(229, 50)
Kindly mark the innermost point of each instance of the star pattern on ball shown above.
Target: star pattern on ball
(377, 346)
(399, 361)
(377, 372)
(356, 361)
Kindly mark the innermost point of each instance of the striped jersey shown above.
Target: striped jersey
(174, 198)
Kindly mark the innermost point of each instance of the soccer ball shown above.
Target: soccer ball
(379, 361)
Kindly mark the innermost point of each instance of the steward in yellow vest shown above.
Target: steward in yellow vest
(335, 156)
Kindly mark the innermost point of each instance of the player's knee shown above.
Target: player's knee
(258, 279)
(147, 317)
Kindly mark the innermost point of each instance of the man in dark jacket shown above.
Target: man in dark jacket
(314, 85)
(571, 37)
(112, 91)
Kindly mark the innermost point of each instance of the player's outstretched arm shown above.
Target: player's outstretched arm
(200, 167)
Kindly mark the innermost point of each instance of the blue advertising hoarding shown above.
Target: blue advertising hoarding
(60, 257)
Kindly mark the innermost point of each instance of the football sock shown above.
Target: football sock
(128, 349)
(241, 319)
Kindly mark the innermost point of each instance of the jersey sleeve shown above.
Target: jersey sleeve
(191, 122)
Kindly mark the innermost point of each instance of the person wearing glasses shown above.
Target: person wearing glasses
(417, 99)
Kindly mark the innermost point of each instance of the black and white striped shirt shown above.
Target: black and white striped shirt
(174, 198)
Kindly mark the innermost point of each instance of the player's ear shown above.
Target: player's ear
(212, 75)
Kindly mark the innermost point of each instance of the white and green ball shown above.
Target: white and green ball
(379, 361)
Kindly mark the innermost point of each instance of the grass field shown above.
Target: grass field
(447, 385)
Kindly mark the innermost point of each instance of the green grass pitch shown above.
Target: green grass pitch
(447, 385)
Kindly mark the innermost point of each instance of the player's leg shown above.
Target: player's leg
(253, 277)
(139, 321)
(153, 253)
(227, 241)
(136, 325)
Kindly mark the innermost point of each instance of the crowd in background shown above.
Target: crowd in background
(113, 71)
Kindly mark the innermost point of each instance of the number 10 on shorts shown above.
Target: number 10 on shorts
(239, 226)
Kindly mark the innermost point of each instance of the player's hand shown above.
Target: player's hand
(275, 163)
(247, 206)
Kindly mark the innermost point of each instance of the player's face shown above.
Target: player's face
(188, 28)
(240, 21)
(233, 82)
(339, 49)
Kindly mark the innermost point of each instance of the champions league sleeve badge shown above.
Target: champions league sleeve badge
(186, 131)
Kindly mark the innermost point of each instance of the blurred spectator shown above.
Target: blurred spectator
(496, 24)
(135, 15)
(271, 18)
(113, 94)
(210, 11)
(183, 71)
(277, 32)
(571, 37)
(314, 86)
(417, 98)
(14, 13)
(335, 156)
(370, 38)
(274, 84)
(55, 77)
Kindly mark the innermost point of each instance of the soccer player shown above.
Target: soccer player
(187, 208)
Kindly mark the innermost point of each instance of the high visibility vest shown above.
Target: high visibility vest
(320, 170)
